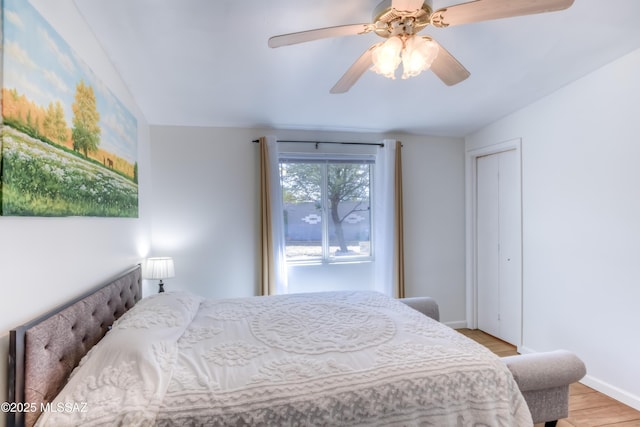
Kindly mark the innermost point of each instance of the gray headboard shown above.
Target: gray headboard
(43, 352)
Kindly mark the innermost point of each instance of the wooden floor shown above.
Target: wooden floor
(587, 407)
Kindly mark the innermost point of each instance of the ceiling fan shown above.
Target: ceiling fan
(399, 21)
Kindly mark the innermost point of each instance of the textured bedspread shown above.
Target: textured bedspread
(327, 359)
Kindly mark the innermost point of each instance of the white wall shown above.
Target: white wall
(46, 261)
(206, 210)
(434, 223)
(205, 206)
(581, 222)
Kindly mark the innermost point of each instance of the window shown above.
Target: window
(327, 208)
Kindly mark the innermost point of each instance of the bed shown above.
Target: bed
(332, 358)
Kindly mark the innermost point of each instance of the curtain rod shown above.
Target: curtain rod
(379, 144)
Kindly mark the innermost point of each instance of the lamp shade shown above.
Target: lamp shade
(386, 57)
(160, 268)
(418, 55)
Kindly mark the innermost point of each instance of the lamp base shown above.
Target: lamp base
(161, 286)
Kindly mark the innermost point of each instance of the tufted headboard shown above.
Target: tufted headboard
(43, 352)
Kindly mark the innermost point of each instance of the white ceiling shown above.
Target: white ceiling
(206, 63)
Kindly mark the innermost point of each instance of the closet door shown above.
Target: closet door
(499, 243)
(488, 242)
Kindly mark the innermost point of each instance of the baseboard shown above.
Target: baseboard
(601, 386)
(460, 324)
(612, 391)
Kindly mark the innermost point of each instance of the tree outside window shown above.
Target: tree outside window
(327, 209)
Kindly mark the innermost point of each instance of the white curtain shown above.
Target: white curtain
(274, 273)
(387, 244)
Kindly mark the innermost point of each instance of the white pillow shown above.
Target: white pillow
(123, 379)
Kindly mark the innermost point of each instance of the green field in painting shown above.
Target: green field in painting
(39, 179)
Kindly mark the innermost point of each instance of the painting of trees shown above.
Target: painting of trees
(54, 124)
(68, 145)
(86, 131)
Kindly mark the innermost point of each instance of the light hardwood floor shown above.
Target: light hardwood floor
(587, 407)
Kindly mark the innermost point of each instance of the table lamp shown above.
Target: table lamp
(160, 268)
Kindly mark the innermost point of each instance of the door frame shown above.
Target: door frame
(471, 225)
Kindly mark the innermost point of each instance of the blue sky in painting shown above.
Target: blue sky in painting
(39, 64)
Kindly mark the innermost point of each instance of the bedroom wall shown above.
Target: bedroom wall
(206, 210)
(46, 261)
(581, 219)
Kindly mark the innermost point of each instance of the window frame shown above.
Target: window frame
(326, 159)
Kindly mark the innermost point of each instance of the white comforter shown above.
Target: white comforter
(329, 359)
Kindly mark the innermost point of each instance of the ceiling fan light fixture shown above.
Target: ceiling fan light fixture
(386, 57)
(399, 21)
(418, 55)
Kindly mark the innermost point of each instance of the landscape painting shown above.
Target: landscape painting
(68, 146)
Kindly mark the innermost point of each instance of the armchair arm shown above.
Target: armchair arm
(539, 371)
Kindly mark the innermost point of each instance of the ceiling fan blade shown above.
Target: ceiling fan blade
(447, 68)
(358, 68)
(407, 5)
(485, 10)
(320, 33)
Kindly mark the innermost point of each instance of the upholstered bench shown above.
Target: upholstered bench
(543, 378)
